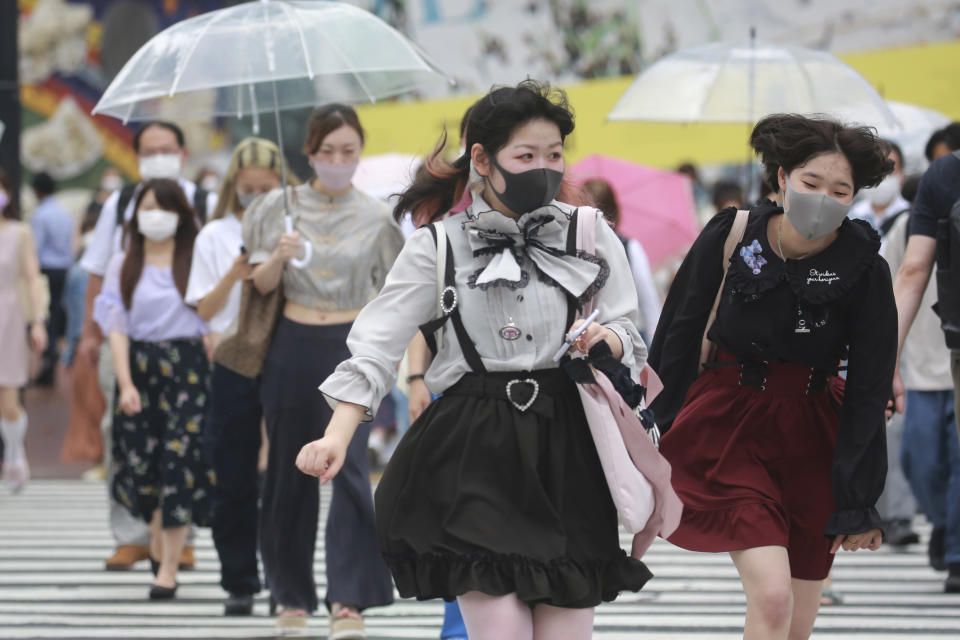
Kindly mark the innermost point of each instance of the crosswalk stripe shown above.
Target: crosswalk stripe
(54, 537)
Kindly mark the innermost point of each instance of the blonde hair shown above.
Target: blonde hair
(251, 152)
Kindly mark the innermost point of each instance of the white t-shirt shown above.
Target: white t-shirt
(216, 247)
(862, 209)
(925, 361)
(107, 235)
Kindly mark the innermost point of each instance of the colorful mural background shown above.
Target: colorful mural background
(70, 49)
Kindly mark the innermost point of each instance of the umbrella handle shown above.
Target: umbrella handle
(299, 263)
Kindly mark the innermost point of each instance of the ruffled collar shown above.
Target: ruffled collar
(481, 215)
(756, 268)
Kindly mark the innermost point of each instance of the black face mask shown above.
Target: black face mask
(527, 190)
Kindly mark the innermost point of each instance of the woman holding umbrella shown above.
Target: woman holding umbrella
(495, 496)
(774, 462)
(354, 244)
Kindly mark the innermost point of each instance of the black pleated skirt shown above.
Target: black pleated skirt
(481, 496)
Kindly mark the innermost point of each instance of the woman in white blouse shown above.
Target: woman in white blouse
(496, 496)
(233, 429)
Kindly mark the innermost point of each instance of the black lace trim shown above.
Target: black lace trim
(513, 286)
(852, 254)
(594, 288)
(473, 217)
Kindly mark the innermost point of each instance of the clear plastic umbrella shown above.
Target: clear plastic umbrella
(722, 82)
(730, 83)
(267, 56)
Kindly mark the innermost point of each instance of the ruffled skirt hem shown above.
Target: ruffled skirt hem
(560, 582)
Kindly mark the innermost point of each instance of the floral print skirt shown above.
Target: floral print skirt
(158, 452)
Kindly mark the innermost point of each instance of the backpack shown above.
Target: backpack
(126, 195)
(887, 224)
(948, 274)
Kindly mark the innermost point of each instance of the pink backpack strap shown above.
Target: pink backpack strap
(587, 220)
(708, 349)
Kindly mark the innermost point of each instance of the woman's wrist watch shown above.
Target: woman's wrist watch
(415, 376)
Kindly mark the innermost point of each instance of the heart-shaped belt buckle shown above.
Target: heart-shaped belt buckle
(533, 396)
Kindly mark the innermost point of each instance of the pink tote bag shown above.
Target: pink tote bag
(637, 475)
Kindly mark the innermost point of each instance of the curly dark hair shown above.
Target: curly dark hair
(490, 121)
(791, 140)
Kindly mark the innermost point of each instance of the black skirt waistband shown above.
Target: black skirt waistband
(515, 386)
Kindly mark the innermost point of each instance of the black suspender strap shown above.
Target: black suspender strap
(429, 329)
(451, 308)
(571, 250)
(450, 299)
(572, 233)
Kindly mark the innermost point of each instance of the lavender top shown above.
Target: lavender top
(157, 312)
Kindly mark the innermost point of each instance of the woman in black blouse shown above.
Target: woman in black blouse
(774, 462)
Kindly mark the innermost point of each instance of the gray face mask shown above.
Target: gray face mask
(246, 199)
(814, 215)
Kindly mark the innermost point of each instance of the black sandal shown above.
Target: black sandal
(163, 593)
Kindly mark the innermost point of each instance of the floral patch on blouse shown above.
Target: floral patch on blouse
(751, 256)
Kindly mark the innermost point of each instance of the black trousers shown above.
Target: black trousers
(233, 444)
(300, 358)
(56, 322)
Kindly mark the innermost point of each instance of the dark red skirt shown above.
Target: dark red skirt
(752, 465)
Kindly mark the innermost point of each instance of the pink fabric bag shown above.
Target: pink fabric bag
(637, 475)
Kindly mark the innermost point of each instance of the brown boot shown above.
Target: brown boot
(187, 559)
(126, 555)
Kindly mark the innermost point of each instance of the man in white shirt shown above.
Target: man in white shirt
(928, 451)
(881, 204)
(161, 151)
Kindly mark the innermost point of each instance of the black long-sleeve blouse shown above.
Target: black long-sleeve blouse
(816, 311)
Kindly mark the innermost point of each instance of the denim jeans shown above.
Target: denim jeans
(930, 456)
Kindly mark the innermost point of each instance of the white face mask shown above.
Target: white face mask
(160, 165)
(210, 183)
(885, 192)
(157, 224)
(335, 177)
(111, 183)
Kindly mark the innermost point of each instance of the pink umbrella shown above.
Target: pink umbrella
(656, 207)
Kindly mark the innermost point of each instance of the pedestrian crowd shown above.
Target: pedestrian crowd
(233, 340)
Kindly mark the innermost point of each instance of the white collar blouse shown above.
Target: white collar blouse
(509, 273)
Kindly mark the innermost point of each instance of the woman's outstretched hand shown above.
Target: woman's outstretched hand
(322, 458)
(869, 540)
